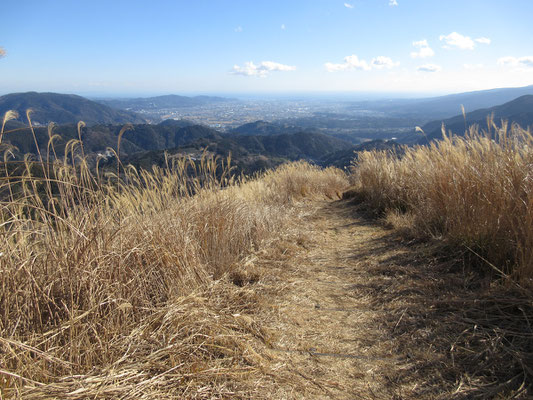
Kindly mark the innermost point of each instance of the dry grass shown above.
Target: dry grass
(118, 285)
(469, 334)
(474, 191)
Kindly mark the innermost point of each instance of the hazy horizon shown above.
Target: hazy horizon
(325, 95)
(380, 48)
(311, 95)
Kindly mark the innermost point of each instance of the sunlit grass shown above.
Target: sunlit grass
(112, 282)
(474, 191)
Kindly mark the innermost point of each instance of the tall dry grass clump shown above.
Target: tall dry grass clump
(112, 282)
(297, 180)
(475, 191)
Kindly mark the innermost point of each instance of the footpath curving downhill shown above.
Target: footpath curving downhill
(366, 315)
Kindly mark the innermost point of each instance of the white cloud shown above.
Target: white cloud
(238, 29)
(483, 40)
(262, 70)
(283, 27)
(2, 52)
(348, 5)
(429, 68)
(354, 62)
(393, 3)
(381, 62)
(517, 62)
(274, 66)
(457, 40)
(423, 49)
(350, 62)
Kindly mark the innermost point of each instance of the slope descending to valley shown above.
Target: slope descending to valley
(187, 282)
(269, 289)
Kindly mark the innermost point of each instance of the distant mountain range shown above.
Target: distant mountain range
(98, 138)
(145, 144)
(250, 153)
(263, 128)
(69, 108)
(64, 109)
(254, 145)
(446, 106)
(162, 102)
(519, 111)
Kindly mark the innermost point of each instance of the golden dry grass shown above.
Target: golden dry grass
(467, 327)
(119, 285)
(365, 314)
(476, 192)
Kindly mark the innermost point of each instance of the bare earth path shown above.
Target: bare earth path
(340, 319)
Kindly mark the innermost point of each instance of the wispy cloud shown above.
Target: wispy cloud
(429, 68)
(238, 29)
(424, 50)
(2, 52)
(393, 3)
(483, 40)
(348, 5)
(517, 62)
(354, 62)
(458, 41)
(260, 70)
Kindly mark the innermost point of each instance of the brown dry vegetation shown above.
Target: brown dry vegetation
(476, 192)
(367, 314)
(470, 201)
(133, 285)
(185, 282)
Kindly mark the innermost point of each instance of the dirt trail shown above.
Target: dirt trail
(363, 313)
(335, 322)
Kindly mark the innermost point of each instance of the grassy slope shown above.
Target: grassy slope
(475, 192)
(134, 290)
(141, 290)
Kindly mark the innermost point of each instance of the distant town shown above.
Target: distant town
(228, 115)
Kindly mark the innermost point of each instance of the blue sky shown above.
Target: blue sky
(251, 46)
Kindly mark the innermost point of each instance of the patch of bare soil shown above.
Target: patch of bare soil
(366, 315)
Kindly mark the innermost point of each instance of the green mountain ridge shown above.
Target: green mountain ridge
(519, 110)
(98, 138)
(64, 109)
(146, 144)
(250, 153)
